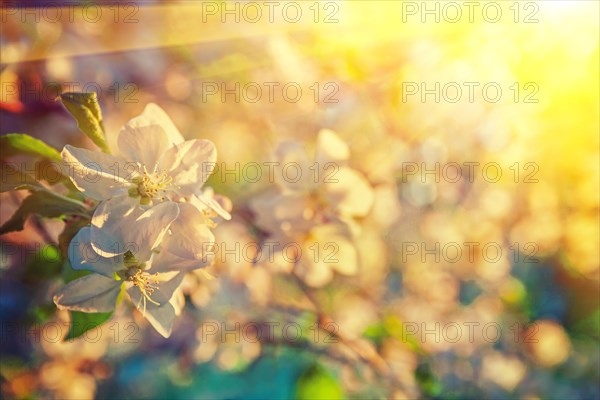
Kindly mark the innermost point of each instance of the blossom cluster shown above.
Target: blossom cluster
(152, 223)
(311, 212)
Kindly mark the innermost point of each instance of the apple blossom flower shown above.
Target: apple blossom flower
(150, 270)
(314, 210)
(328, 191)
(152, 165)
(314, 256)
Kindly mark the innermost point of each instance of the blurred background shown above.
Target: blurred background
(507, 91)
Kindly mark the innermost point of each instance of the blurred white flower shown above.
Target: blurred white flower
(326, 191)
(313, 211)
(326, 250)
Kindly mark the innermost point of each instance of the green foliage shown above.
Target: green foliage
(317, 383)
(376, 333)
(589, 326)
(44, 264)
(48, 159)
(428, 382)
(45, 204)
(391, 327)
(20, 143)
(85, 109)
(42, 313)
(82, 322)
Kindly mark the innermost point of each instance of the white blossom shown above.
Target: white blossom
(150, 270)
(152, 165)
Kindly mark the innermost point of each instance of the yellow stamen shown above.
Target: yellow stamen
(146, 283)
(153, 184)
(208, 213)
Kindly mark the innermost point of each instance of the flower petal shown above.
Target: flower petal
(326, 250)
(292, 170)
(83, 256)
(314, 274)
(154, 223)
(158, 116)
(191, 239)
(178, 300)
(119, 226)
(330, 148)
(98, 175)
(161, 318)
(111, 223)
(189, 164)
(165, 261)
(342, 256)
(92, 293)
(204, 201)
(351, 193)
(162, 315)
(142, 140)
(334, 250)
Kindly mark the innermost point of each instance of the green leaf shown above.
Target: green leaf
(45, 204)
(427, 381)
(82, 322)
(19, 143)
(42, 313)
(376, 333)
(12, 178)
(52, 172)
(86, 110)
(396, 329)
(317, 383)
(44, 264)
